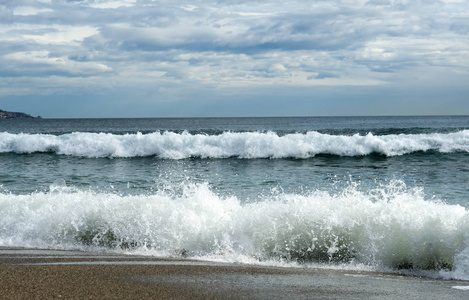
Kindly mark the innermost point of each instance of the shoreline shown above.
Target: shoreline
(53, 274)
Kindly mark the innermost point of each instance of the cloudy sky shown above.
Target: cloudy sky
(164, 58)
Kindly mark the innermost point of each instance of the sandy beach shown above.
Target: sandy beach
(54, 274)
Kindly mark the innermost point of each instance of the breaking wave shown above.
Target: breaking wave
(391, 227)
(170, 145)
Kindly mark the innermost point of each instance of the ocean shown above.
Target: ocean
(368, 193)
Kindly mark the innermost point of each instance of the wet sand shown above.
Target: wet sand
(54, 274)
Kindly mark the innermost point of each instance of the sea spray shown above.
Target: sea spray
(389, 227)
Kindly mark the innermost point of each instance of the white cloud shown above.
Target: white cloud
(29, 11)
(46, 34)
(111, 4)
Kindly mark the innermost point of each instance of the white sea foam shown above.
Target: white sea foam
(391, 227)
(172, 145)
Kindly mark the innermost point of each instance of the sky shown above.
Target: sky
(219, 58)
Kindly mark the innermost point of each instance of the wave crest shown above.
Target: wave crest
(171, 145)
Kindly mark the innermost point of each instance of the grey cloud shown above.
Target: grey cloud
(288, 33)
(45, 70)
(204, 44)
(7, 47)
(162, 26)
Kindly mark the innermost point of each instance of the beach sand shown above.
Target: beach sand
(55, 274)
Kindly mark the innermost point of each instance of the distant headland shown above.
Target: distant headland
(15, 115)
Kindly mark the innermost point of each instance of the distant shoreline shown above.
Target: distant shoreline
(15, 115)
(24, 115)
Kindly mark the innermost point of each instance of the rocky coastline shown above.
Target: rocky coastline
(15, 115)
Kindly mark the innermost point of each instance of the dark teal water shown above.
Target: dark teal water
(27, 168)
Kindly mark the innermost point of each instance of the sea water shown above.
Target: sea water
(375, 193)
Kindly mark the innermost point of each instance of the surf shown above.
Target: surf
(245, 145)
(391, 227)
